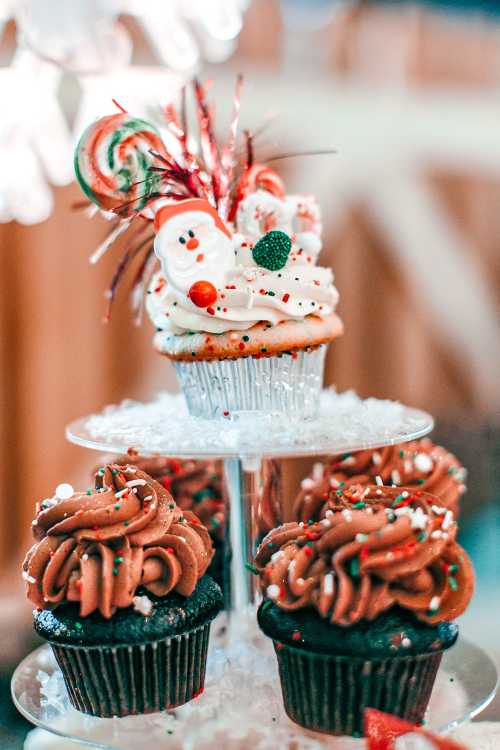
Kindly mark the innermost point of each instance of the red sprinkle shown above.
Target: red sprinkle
(296, 635)
(241, 345)
(210, 311)
(285, 297)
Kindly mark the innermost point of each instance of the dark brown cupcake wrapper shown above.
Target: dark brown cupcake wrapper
(142, 678)
(330, 693)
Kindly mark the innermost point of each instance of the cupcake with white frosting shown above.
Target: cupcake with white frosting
(238, 301)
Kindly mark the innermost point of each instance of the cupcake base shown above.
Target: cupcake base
(289, 382)
(330, 693)
(122, 680)
(134, 663)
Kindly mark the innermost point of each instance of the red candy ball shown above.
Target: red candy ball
(202, 294)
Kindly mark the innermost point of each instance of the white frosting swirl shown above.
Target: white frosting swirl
(246, 292)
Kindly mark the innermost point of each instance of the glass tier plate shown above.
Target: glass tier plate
(162, 426)
(241, 706)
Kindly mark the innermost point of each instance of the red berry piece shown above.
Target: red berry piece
(202, 294)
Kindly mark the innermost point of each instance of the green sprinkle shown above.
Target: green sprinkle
(422, 536)
(453, 568)
(451, 471)
(360, 504)
(252, 569)
(114, 472)
(401, 454)
(397, 501)
(89, 491)
(126, 523)
(266, 605)
(117, 506)
(118, 560)
(115, 571)
(420, 481)
(346, 456)
(171, 506)
(100, 473)
(354, 567)
(271, 294)
(214, 522)
(246, 338)
(452, 583)
(78, 625)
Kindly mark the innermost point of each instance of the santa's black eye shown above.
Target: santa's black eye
(191, 233)
(182, 240)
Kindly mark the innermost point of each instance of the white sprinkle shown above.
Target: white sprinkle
(406, 643)
(405, 494)
(273, 591)
(148, 497)
(34, 523)
(307, 483)
(390, 556)
(418, 519)
(347, 515)
(131, 470)
(447, 521)
(361, 537)
(64, 491)
(328, 583)
(136, 483)
(461, 475)
(329, 513)
(376, 458)
(300, 581)
(291, 571)
(325, 522)
(349, 461)
(119, 494)
(423, 463)
(437, 534)
(396, 477)
(379, 492)
(334, 483)
(233, 336)
(408, 466)
(434, 605)
(85, 557)
(277, 555)
(27, 577)
(317, 471)
(143, 605)
(379, 480)
(438, 510)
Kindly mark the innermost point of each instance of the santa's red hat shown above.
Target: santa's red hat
(165, 213)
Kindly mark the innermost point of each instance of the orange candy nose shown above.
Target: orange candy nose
(192, 243)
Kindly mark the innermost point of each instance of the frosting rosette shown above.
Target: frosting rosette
(376, 547)
(194, 485)
(420, 464)
(98, 547)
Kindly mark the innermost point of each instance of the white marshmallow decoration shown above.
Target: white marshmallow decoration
(192, 244)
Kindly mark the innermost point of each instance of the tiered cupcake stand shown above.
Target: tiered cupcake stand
(241, 706)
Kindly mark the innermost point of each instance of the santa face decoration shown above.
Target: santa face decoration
(193, 245)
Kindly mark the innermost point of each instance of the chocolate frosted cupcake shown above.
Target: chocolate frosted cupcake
(360, 605)
(117, 578)
(419, 464)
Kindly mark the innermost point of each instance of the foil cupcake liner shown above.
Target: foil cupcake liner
(330, 693)
(290, 383)
(109, 681)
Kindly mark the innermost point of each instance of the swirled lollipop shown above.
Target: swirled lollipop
(113, 160)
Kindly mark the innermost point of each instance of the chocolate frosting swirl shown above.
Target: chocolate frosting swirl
(97, 548)
(420, 463)
(376, 547)
(194, 485)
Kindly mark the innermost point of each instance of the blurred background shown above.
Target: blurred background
(408, 94)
